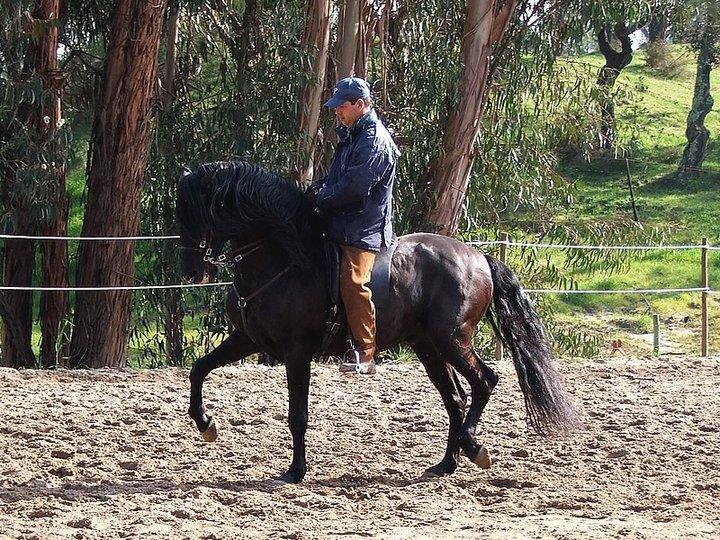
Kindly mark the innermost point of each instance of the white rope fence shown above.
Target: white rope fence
(121, 288)
(580, 246)
(617, 291)
(88, 238)
(471, 243)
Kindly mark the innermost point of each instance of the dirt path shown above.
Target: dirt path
(111, 454)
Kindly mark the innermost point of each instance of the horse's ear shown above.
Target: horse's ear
(184, 171)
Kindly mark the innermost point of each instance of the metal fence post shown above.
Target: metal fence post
(503, 259)
(704, 326)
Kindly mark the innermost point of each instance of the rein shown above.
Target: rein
(232, 257)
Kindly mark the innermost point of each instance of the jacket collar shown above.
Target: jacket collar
(348, 133)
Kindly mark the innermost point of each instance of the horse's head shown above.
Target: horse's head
(198, 243)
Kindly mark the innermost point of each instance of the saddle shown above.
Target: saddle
(379, 284)
(379, 279)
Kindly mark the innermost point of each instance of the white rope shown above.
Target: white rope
(227, 283)
(470, 243)
(97, 238)
(127, 288)
(571, 246)
(625, 291)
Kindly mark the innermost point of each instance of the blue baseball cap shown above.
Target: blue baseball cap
(348, 89)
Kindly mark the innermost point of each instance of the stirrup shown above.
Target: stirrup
(350, 361)
(351, 364)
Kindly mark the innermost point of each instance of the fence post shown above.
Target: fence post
(503, 259)
(704, 327)
(656, 335)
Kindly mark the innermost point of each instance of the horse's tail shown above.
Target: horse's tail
(516, 323)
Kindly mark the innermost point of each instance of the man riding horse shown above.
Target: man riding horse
(356, 198)
(265, 229)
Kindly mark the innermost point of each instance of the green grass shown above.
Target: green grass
(685, 208)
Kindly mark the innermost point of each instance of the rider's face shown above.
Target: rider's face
(348, 113)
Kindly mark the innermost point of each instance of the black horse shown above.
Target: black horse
(440, 289)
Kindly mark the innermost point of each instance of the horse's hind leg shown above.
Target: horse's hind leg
(482, 381)
(235, 347)
(443, 376)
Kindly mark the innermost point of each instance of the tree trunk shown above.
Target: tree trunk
(366, 31)
(395, 21)
(172, 305)
(696, 132)
(250, 24)
(315, 42)
(348, 38)
(19, 261)
(119, 157)
(16, 350)
(448, 174)
(657, 29)
(170, 65)
(53, 304)
(614, 63)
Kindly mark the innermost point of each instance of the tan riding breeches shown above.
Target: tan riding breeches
(355, 270)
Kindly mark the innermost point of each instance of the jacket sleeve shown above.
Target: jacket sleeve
(365, 168)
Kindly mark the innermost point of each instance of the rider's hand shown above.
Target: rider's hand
(313, 190)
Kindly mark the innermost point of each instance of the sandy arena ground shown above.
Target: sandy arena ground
(112, 454)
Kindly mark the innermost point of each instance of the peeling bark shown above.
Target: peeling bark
(448, 175)
(315, 42)
(53, 304)
(368, 23)
(119, 157)
(348, 38)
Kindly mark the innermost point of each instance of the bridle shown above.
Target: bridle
(230, 258)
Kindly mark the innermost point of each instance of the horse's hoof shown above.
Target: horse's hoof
(210, 434)
(441, 469)
(482, 458)
(290, 477)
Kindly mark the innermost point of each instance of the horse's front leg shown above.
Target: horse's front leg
(298, 378)
(236, 347)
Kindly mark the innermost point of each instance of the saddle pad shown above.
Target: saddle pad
(380, 278)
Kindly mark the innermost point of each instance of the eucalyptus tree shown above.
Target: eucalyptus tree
(542, 29)
(119, 151)
(33, 170)
(315, 43)
(17, 176)
(348, 32)
(448, 174)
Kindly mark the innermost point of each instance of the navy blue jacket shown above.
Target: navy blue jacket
(356, 195)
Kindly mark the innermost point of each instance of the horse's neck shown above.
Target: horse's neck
(265, 260)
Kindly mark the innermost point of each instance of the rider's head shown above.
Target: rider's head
(350, 99)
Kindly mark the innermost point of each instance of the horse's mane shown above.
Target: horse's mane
(237, 198)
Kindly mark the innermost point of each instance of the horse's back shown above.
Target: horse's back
(435, 280)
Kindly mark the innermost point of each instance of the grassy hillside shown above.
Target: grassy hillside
(687, 208)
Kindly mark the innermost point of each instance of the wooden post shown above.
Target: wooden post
(503, 259)
(632, 195)
(656, 335)
(704, 327)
